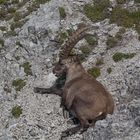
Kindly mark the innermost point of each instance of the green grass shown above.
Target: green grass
(85, 50)
(137, 1)
(111, 42)
(27, 68)
(15, 1)
(17, 57)
(120, 33)
(109, 70)
(41, 1)
(10, 33)
(125, 18)
(2, 1)
(62, 37)
(11, 10)
(120, 56)
(62, 12)
(1, 44)
(98, 11)
(121, 17)
(99, 62)
(17, 24)
(1, 41)
(18, 84)
(17, 16)
(95, 72)
(16, 111)
(91, 40)
(121, 1)
(3, 28)
(3, 13)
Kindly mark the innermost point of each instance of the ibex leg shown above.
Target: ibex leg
(51, 90)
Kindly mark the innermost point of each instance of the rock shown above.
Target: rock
(35, 43)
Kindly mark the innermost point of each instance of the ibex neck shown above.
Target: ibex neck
(74, 72)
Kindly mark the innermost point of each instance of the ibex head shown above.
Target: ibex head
(64, 64)
(65, 59)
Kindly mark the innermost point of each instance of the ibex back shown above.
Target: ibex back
(82, 95)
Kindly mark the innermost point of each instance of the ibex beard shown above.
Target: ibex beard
(81, 94)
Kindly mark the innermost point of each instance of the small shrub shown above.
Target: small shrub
(41, 1)
(2, 42)
(137, 1)
(120, 33)
(62, 12)
(127, 19)
(99, 62)
(18, 84)
(11, 10)
(32, 8)
(62, 37)
(15, 1)
(19, 44)
(82, 57)
(8, 16)
(111, 42)
(109, 70)
(10, 33)
(91, 40)
(17, 16)
(95, 72)
(16, 111)
(85, 50)
(3, 13)
(121, 1)
(17, 57)
(21, 3)
(97, 12)
(137, 28)
(27, 68)
(17, 24)
(70, 31)
(120, 56)
(121, 17)
(2, 1)
(2, 28)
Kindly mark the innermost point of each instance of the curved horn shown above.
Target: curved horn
(72, 41)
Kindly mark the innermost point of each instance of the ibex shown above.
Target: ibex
(82, 95)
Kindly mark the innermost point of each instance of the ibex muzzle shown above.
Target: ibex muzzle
(82, 95)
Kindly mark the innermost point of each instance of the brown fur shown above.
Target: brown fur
(82, 95)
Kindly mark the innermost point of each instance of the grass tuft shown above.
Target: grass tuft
(16, 111)
(95, 72)
(121, 1)
(111, 42)
(27, 68)
(18, 84)
(62, 37)
(98, 11)
(91, 40)
(99, 62)
(62, 12)
(120, 56)
(109, 70)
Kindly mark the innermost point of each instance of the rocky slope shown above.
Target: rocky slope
(27, 55)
